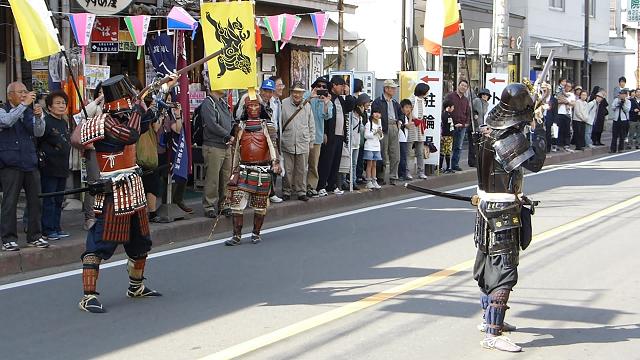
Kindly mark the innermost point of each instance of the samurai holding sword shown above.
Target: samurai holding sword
(503, 224)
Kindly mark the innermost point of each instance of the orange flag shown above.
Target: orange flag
(441, 20)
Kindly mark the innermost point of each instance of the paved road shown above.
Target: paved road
(299, 295)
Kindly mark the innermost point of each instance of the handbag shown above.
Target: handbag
(147, 150)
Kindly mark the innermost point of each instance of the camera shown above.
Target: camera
(323, 92)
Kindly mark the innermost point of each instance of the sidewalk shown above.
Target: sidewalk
(68, 251)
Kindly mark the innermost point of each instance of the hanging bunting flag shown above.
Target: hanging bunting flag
(138, 27)
(82, 24)
(39, 37)
(320, 21)
(441, 20)
(290, 25)
(179, 19)
(258, 35)
(274, 26)
(230, 26)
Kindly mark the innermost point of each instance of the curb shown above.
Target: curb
(68, 251)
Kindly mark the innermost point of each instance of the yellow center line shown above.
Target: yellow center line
(349, 309)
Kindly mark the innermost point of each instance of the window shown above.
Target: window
(556, 4)
(592, 8)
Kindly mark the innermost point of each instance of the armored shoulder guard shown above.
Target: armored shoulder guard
(513, 150)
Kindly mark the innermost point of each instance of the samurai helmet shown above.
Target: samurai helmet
(119, 95)
(515, 107)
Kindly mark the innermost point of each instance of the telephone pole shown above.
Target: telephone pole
(340, 34)
(585, 66)
(500, 37)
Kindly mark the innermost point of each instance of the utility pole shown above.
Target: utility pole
(340, 34)
(585, 66)
(500, 36)
(403, 37)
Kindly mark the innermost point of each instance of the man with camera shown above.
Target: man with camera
(19, 124)
(621, 107)
(322, 109)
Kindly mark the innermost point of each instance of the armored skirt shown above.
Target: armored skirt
(498, 268)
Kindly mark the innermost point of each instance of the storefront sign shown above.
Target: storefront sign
(633, 11)
(105, 30)
(104, 7)
(495, 83)
(432, 113)
(96, 73)
(368, 82)
(195, 99)
(104, 47)
(125, 43)
(40, 81)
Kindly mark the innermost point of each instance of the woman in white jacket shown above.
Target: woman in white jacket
(581, 117)
(592, 112)
(372, 134)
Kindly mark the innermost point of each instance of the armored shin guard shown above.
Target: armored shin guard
(238, 220)
(496, 310)
(135, 268)
(90, 270)
(258, 220)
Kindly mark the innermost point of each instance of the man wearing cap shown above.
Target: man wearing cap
(621, 107)
(480, 107)
(461, 118)
(298, 133)
(322, 109)
(391, 113)
(335, 129)
(120, 204)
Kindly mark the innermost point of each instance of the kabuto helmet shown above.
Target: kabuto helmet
(515, 107)
(119, 95)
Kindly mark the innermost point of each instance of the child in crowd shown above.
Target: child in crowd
(446, 140)
(372, 134)
(407, 109)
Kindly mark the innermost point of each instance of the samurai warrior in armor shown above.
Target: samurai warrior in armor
(254, 160)
(120, 203)
(503, 222)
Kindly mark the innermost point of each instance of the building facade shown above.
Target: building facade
(559, 25)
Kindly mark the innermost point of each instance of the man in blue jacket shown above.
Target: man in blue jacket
(19, 124)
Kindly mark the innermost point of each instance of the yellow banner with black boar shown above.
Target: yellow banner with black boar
(230, 25)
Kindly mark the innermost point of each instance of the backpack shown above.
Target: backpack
(197, 125)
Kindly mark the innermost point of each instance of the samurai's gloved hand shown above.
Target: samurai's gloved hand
(100, 186)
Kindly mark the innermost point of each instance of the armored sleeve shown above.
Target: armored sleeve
(539, 146)
(125, 133)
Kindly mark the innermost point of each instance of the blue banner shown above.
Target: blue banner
(181, 159)
(160, 50)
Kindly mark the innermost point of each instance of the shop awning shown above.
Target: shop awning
(549, 42)
(306, 35)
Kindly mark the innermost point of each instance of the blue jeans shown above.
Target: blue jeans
(402, 168)
(51, 206)
(587, 134)
(458, 140)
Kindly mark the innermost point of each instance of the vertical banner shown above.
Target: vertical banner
(230, 26)
(183, 99)
(161, 54)
(495, 83)
(432, 113)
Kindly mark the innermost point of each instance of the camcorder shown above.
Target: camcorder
(323, 92)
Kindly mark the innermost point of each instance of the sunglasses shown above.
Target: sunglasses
(321, 86)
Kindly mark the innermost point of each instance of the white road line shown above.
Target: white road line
(61, 275)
